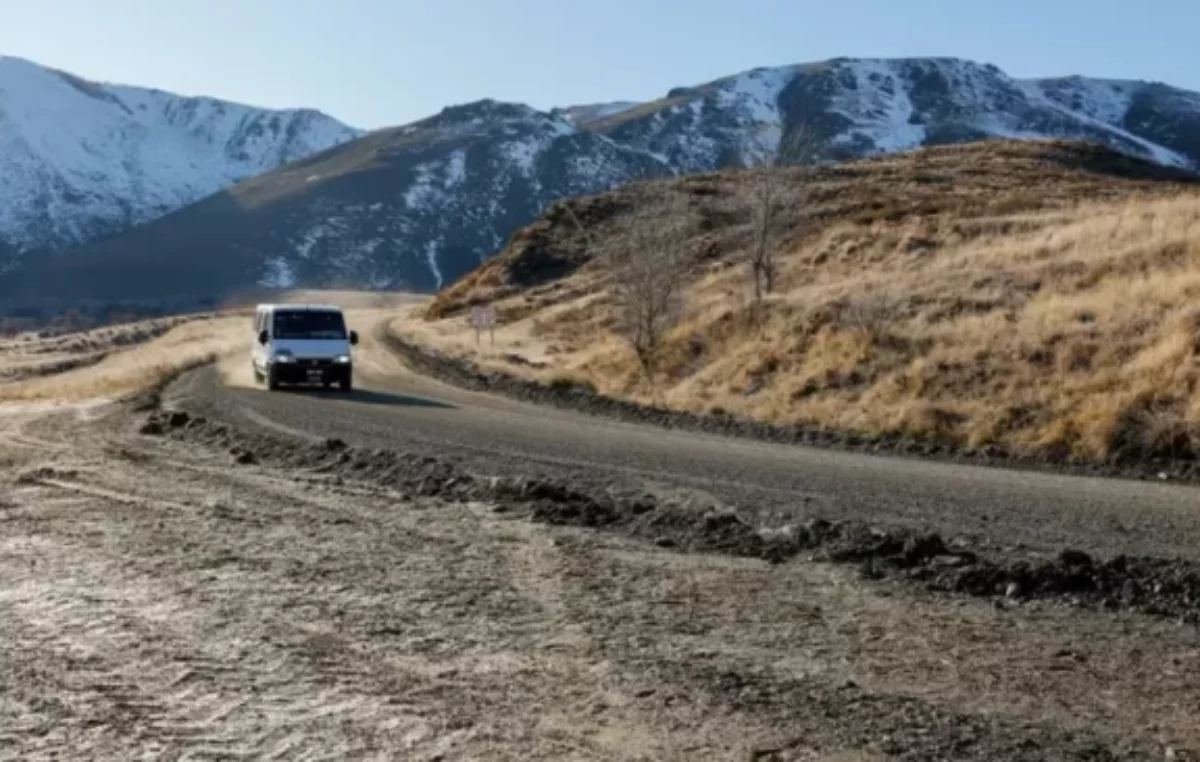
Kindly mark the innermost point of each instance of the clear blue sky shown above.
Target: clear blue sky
(379, 62)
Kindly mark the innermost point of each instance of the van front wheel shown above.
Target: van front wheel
(344, 383)
(272, 379)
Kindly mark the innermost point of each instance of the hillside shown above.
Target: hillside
(1039, 297)
(80, 159)
(418, 206)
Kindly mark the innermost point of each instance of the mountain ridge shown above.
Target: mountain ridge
(82, 159)
(419, 205)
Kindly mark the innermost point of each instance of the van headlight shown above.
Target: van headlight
(342, 359)
(283, 356)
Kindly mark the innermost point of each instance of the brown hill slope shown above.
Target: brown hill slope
(1040, 296)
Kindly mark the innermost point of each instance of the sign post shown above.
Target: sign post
(484, 316)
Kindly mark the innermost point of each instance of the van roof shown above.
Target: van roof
(300, 307)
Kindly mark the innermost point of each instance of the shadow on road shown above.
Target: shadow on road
(366, 397)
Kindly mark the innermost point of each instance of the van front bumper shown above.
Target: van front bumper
(304, 371)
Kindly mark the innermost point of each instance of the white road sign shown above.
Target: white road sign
(483, 316)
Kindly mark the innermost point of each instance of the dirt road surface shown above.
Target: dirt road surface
(397, 408)
(160, 599)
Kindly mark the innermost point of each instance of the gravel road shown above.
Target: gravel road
(774, 484)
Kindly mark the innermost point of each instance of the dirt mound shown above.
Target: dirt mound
(1165, 587)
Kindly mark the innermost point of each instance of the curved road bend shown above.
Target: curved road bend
(396, 408)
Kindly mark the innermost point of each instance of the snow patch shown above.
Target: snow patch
(1160, 154)
(431, 252)
(578, 115)
(78, 158)
(279, 274)
(313, 236)
(560, 128)
(754, 98)
(421, 191)
(523, 154)
(1106, 100)
(879, 106)
(435, 181)
(456, 169)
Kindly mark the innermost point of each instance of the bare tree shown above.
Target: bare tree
(795, 149)
(647, 266)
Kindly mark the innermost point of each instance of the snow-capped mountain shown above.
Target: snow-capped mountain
(857, 108)
(80, 159)
(419, 206)
(413, 206)
(463, 182)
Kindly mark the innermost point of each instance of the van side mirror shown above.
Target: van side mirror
(353, 337)
(263, 338)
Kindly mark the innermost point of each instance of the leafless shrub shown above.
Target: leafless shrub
(871, 314)
(766, 199)
(647, 266)
(567, 380)
(1155, 433)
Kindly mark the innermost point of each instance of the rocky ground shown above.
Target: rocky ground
(180, 587)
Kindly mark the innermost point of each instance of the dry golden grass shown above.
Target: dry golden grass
(32, 354)
(1078, 332)
(136, 367)
(1055, 317)
(979, 186)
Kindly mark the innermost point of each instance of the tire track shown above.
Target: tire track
(111, 620)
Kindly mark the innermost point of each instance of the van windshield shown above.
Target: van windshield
(297, 324)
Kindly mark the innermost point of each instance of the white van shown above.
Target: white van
(302, 343)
